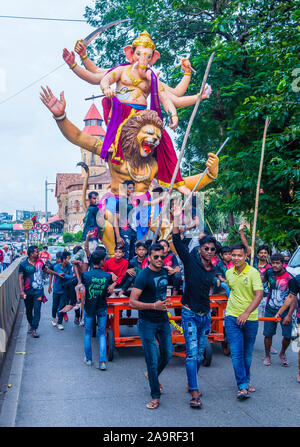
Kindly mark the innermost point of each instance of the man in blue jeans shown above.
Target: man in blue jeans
(95, 283)
(199, 275)
(241, 321)
(149, 297)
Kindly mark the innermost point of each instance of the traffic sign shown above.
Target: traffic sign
(27, 224)
(37, 226)
(45, 227)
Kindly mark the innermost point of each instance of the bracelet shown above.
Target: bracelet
(73, 65)
(187, 73)
(84, 56)
(154, 306)
(175, 114)
(60, 118)
(279, 314)
(211, 176)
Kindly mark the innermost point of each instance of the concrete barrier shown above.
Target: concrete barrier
(9, 302)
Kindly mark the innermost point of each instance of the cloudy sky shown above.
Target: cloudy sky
(32, 148)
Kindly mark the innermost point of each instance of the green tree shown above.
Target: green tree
(253, 76)
(68, 237)
(78, 236)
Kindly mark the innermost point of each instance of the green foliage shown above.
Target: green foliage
(78, 236)
(252, 76)
(68, 237)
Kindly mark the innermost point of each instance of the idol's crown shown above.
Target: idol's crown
(144, 40)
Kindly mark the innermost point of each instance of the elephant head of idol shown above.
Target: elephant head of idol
(142, 53)
(140, 136)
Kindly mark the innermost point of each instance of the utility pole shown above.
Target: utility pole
(46, 199)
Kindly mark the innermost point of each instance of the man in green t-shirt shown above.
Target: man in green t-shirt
(241, 320)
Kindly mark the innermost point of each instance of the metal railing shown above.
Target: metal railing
(9, 302)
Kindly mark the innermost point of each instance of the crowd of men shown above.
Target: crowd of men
(84, 279)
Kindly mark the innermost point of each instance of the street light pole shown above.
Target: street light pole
(46, 199)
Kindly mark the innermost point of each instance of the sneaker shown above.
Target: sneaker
(60, 327)
(34, 333)
(53, 322)
(30, 331)
(102, 366)
(87, 362)
(81, 323)
(273, 351)
(66, 318)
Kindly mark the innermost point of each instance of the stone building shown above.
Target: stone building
(69, 185)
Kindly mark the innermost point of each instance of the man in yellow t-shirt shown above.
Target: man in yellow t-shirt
(241, 320)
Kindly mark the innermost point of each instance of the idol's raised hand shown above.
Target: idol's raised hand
(56, 106)
(80, 48)
(68, 57)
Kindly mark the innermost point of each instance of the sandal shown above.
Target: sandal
(267, 361)
(195, 402)
(153, 405)
(190, 391)
(284, 360)
(243, 395)
(251, 388)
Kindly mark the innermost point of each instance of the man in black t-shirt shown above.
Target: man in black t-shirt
(31, 285)
(149, 297)
(95, 283)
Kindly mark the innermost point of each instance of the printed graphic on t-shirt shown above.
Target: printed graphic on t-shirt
(161, 283)
(96, 288)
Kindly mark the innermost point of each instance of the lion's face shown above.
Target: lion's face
(148, 139)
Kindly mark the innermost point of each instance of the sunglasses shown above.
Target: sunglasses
(131, 187)
(162, 257)
(213, 249)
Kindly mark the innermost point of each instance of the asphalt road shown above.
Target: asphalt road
(53, 387)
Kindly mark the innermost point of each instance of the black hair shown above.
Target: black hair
(140, 244)
(155, 247)
(277, 257)
(239, 247)
(120, 247)
(64, 255)
(263, 247)
(45, 247)
(97, 257)
(76, 249)
(58, 254)
(128, 182)
(225, 249)
(158, 189)
(208, 240)
(31, 249)
(92, 193)
(163, 240)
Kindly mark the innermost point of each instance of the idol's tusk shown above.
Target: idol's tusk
(134, 65)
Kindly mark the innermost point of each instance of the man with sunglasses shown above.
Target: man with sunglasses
(196, 320)
(149, 297)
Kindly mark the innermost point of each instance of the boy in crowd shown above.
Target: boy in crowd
(222, 266)
(280, 284)
(241, 320)
(149, 297)
(136, 264)
(172, 266)
(96, 283)
(64, 269)
(118, 266)
(32, 287)
(45, 255)
(196, 319)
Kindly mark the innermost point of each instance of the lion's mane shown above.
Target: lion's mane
(129, 134)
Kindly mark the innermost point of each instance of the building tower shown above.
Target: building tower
(93, 126)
